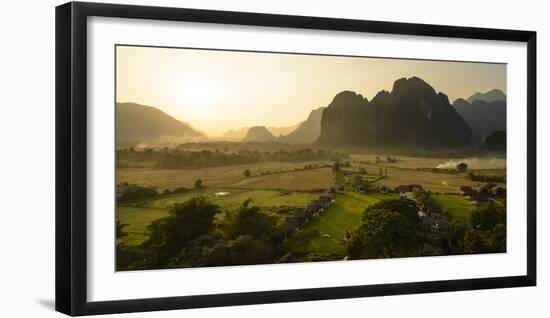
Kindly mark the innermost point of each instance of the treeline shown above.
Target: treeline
(166, 158)
(132, 192)
(191, 237)
(486, 178)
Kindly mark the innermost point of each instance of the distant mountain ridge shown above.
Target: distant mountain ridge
(282, 131)
(308, 131)
(137, 124)
(235, 134)
(488, 97)
(483, 117)
(411, 115)
(259, 134)
(238, 134)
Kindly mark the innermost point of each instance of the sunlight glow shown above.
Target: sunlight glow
(196, 96)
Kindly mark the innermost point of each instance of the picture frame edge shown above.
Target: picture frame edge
(71, 130)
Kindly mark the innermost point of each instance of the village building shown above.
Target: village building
(291, 224)
(408, 188)
(402, 189)
(410, 196)
(330, 195)
(430, 207)
(427, 224)
(478, 198)
(362, 189)
(442, 224)
(302, 217)
(434, 224)
(466, 191)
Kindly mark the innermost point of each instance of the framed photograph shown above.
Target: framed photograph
(210, 158)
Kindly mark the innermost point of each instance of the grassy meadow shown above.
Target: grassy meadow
(332, 224)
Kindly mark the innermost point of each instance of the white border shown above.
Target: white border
(105, 284)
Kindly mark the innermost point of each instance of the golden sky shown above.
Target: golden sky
(216, 91)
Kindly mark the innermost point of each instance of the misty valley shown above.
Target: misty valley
(404, 174)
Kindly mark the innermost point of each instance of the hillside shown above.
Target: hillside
(137, 124)
(483, 118)
(496, 142)
(308, 131)
(411, 116)
(234, 135)
(282, 131)
(258, 134)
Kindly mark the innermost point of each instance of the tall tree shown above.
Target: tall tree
(389, 229)
(187, 221)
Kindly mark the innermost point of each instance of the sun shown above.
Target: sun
(196, 96)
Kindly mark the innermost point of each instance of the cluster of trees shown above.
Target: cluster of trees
(462, 167)
(191, 237)
(132, 192)
(390, 228)
(178, 158)
(388, 160)
(489, 230)
(485, 232)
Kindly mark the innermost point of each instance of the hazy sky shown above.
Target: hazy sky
(219, 90)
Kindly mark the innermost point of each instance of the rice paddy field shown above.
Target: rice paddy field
(137, 218)
(276, 185)
(430, 181)
(230, 176)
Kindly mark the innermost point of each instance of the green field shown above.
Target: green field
(225, 175)
(293, 180)
(139, 216)
(457, 207)
(345, 214)
(137, 219)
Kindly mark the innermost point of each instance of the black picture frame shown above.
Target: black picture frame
(71, 157)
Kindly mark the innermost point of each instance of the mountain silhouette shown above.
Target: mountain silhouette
(488, 97)
(137, 124)
(239, 134)
(308, 131)
(235, 134)
(483, 118)
(259, 134)
(411, 115)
